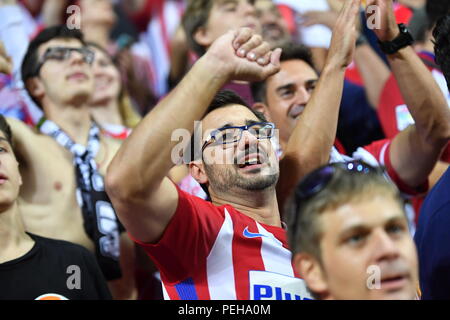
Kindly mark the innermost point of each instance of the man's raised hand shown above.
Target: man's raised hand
(343, 42)
(243, 55)
(387, 29)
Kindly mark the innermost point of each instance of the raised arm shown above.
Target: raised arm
(373, 70)
(136, 182)
(415, 151)
(313, 137)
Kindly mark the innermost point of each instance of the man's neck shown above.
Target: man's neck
(106, 113)
(14, 242)
(75, 121)
(428, 46)
(261, 206)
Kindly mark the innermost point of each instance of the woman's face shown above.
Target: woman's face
(106, 77)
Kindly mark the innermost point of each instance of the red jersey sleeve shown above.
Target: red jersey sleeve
(380, 151)
(188, 238)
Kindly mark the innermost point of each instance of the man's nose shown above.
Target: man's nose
(248, 7)
(247, 139)
(76, 57)
(385, 248)
(302, 96)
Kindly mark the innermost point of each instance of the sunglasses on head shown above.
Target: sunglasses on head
(318, 180)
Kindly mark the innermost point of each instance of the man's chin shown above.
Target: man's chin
(80, 97)
(257, 181)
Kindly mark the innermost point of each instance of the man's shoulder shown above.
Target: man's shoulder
(30, 135)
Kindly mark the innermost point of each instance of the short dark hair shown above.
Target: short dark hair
(291, 51)
(441, 34)
(6, 129)
(30, 61)
(196, 16)
(304, 231)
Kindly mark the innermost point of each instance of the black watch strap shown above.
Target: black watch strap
(403, 40)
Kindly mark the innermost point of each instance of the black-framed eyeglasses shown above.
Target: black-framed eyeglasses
(318, 180)
(226, 135)
(64, 53)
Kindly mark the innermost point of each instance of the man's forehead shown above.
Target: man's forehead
(295, 68)
(367, 213)
(60, 42)
(236, 115)
(292, 71)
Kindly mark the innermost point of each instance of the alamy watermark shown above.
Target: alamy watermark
(74, 279)
(374, 278)
(374, 17)
(74, 20)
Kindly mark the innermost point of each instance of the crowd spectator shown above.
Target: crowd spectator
(349, 234)
(203, 179)
(67, 178)
(432, 232)
(33, 267)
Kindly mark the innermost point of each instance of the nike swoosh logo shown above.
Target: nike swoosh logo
(249, 234)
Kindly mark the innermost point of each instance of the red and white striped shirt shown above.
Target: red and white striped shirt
(209, 252)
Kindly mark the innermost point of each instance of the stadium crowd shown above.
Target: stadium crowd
(224, 149)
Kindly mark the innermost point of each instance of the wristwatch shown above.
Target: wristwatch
(403, 40)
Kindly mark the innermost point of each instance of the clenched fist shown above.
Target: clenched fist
(243, 55)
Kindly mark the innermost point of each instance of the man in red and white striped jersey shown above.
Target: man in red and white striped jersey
(233, 247)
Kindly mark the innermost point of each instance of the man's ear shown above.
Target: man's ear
(197, 171)
(203, 37)
(35, 87)
(310, 269)
(262, 107)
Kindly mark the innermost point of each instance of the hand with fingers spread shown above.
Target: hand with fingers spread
(5, 61)
(343, 42)
(387, 29)
(244, 56)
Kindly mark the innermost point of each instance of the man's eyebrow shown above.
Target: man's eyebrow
(223, 2)
(361, 227)
(292, 85)
(397, 218)
(250, 122)
(311, 82)
(226, 125)
(5, 141)
(286, 86)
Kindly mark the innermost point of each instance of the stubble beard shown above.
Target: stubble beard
(230, 178)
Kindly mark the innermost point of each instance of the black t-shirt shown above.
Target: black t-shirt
(53, 270)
